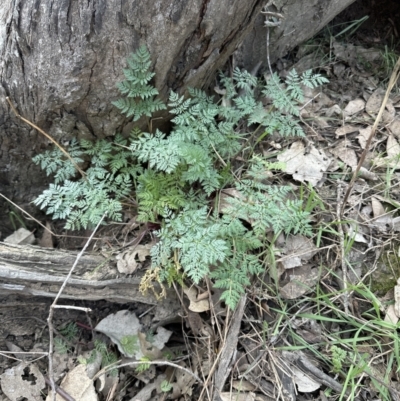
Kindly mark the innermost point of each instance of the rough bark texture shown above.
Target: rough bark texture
(29, 270)
(302, 20)
(60, 61)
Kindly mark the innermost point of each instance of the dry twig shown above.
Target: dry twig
(54, 305)
(226, 355)
(117, 365)
(392, 82)
(342, 249)
(46, 135)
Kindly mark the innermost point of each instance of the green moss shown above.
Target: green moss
(385, 276)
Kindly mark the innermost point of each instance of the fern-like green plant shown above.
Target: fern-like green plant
(140, 96)
(176, 176)
(69, 333)
(107, 357)
(108, 179)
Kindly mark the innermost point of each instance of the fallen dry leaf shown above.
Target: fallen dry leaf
(394, 127)
(309, 330)
(78, 385)
(352, 54)
(120, 327)
(314, 99)
(16, 387)
(366, 174)
(392, 147)
(302, 281)
(243, 385)
(354, 106)
(392, 160)
(237, 396)
(354, 232)
(128, 261)
(184, 381)
(123, 328)
(345, 153)
(334, 110)
(305, 166)
(153, 349)
(298, 249)
(46, 241)
(305, 384)
(386, 223)
(147, 392)
(20, 237)
(195, 322)
(105, 383)
(377, 207)
(196, 306)
(388, 200)
(363, 136)
(374, 103)
(391, 315)
(346, 129)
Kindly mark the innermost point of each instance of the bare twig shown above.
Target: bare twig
(393, 79)
(38, 222)
(46, 135)
(7, 354)
(117, 365)
(23, 211)
(342, 249)
(303, 363)
(113, 389)
(60, 391)
(25, 352)
(72, 307)
(54, 305)
(228, 351)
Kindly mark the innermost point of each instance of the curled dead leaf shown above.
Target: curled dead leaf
(129, 260)
(354, 106)
(196, 305)
(374, 104)
(346, 129)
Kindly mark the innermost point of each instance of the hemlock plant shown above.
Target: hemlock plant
(177, 177)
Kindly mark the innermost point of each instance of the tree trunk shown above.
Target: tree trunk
(61, 60)
(302, 20)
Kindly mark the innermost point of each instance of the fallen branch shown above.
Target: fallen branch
(35, 271)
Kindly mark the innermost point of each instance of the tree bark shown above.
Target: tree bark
(60, 61)
(302, 20)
